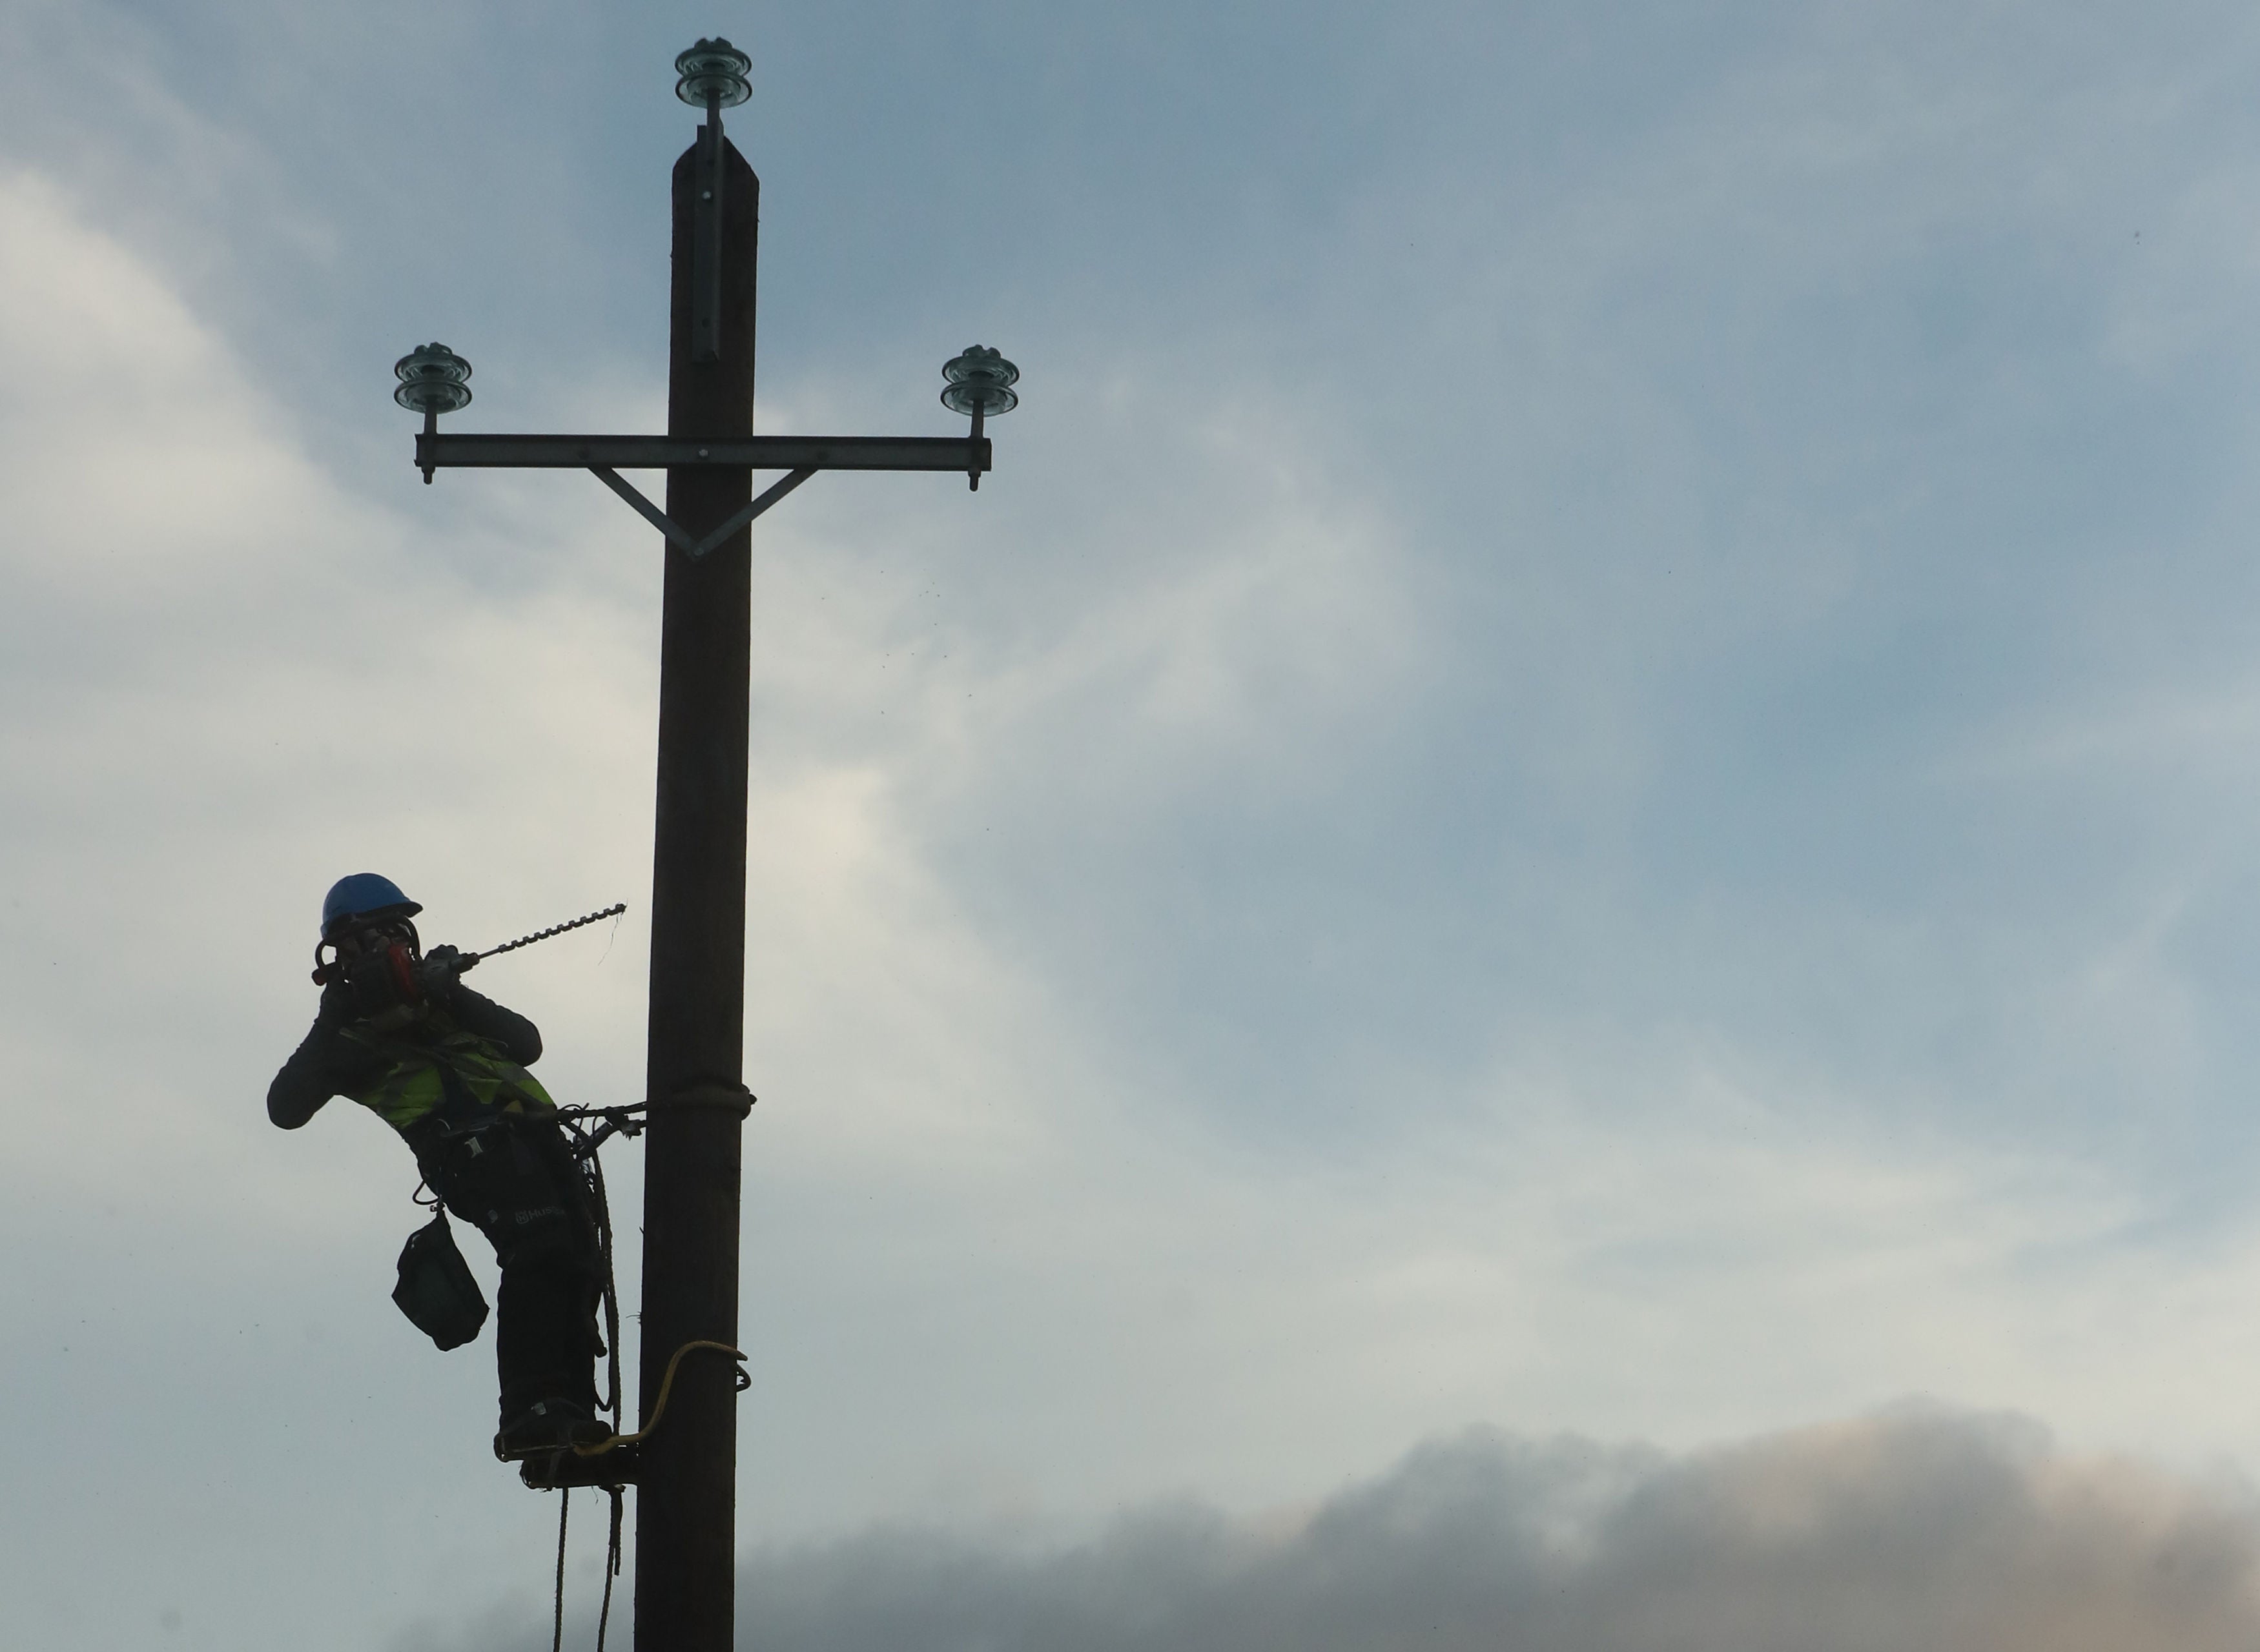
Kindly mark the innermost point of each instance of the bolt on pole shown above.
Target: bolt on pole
(686, 1502)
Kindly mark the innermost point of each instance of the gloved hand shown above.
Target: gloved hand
(440, 968)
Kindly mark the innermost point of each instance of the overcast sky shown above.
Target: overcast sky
(1589, 775)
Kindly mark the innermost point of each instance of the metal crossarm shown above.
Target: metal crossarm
(604, 457)
(445, 452)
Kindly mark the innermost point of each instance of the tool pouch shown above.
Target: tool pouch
(436, 1289)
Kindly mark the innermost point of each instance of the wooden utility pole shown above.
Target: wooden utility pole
(686, 1502)
(685, 1468)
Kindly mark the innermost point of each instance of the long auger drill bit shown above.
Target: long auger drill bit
(457, 964)
(468, 959)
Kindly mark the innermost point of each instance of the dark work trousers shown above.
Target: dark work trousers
(516, 1182)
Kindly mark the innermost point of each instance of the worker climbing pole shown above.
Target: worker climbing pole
(696, 1103)
(398, 1031)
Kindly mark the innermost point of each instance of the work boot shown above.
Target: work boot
(547, 1426)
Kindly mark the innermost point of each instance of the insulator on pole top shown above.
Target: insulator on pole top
(713, 72)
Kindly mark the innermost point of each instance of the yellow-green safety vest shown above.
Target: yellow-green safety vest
(451, 1070)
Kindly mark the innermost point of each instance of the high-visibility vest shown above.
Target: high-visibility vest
(449, 1071)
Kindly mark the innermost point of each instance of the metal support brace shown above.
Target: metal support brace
(679, 536)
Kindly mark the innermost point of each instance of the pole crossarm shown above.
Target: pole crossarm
(604, 457)
(448, 451)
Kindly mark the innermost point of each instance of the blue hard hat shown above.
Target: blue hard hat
(363, 895)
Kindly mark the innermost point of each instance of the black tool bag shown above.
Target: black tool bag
(436, 1289)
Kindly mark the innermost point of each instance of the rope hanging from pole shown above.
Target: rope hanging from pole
(557, 1623)
(612, 1566)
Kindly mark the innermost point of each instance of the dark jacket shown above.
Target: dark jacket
(327, 1063)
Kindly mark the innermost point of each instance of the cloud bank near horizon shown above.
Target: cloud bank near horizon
(1954, 1532)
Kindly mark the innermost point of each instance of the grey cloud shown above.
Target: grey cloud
(1913, 1528)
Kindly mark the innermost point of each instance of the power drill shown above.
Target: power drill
(390, 988)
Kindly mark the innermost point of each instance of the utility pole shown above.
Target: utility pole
(685, 1470)
(686, 1503)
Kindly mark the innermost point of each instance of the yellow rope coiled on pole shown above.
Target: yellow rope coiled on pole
(658, 1410)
